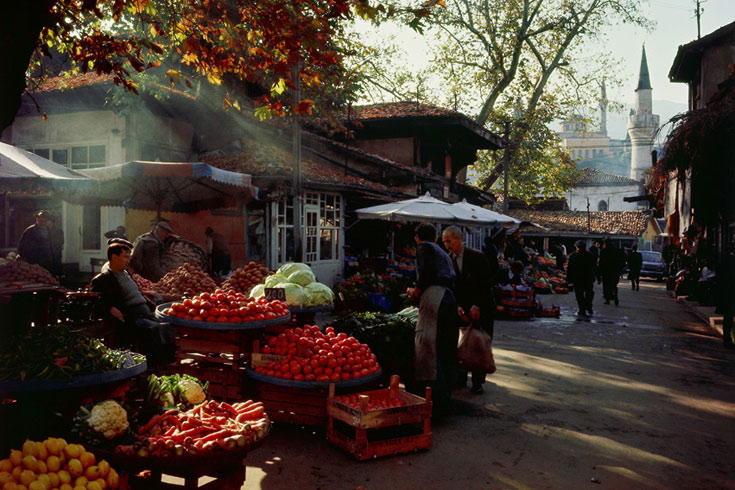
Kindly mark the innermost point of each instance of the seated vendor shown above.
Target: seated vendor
(121, 299)
(514, 275)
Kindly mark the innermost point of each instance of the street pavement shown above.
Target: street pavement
(637, 396)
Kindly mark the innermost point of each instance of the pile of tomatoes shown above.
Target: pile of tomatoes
(375, 403)
(227, 307)
(313, 355)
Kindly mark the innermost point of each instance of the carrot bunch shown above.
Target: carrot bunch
(206, 427)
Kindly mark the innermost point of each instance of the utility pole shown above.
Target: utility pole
(506, 165)
(296, 184)
(698, 12)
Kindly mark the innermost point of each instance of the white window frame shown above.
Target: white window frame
(68, 147)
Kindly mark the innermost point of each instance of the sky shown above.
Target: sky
(675, 25)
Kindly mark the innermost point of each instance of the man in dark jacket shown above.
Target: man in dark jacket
(35, 245)
(437, 329)
(612, 261)
(220, 261)
(121, 299)
(635, 262)
(581, 273)
(473, 289)
(148, 252)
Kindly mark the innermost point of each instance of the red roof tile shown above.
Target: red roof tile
(392, 110)
(628, 223)
(73, 81)
(261, 159)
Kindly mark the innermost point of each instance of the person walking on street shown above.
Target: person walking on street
(581, 273)
(35, 245)
(612, 261)
(635, 262)
(220, 261)
(726, 297)
(472, 290)
(437, 328)
(148, 252)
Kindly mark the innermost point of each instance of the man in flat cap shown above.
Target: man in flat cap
(148, 252)
(35, 243)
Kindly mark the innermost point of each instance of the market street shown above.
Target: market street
(641, 396)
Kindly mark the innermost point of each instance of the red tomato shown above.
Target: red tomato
(328, 371)
(267, 350)
(364, 372)
(258, 317)
(335, 377)
(329, 330)
(314, 362)
(247, 318)
(307, 369)
(188, 303)
(197, 318)
(332, 363)
(345, 375)
(272, 341)
(287, 375)
(318, 370)
(222, 319)
(295, 369)
(309, 377)
(299, 377)
(322, 377)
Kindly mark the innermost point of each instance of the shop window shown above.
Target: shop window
(76, 157)
(602, 205)
(321, 223)
(42, 152)
(256, 234)
(60, 156)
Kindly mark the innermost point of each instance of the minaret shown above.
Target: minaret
(603, 109)
(642, 124)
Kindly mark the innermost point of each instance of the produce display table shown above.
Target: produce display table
(227, 467)
(23, 303)
(300, 402)
(216, 352)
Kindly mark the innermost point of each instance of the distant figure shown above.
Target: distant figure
(56, 240)
(514, 276)
(118, 232)
(635, 262)
(514, 249)
(220, 261)
(612, 261)
(581, 273)
(595, 251)
(148, 252)
(726, 296)
(558, 253)
(35, 245)
(493, 245)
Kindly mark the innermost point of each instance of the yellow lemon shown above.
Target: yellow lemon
(81, 482)
(11, 485)
(75, 468)
(93, 485)
(30, 463)
(6, 465)
(65, 486)
(62, 442)
(15, 457)
(72, 451)
(80, 488)
(27, 476)
(104, 468)
(45, 480)
(113, 480)
(42, 468)
(29, 448)
(64, 476)
(52, 446)
(87, 459)
(53, 463)
(102, 483)
(41, 450)
(92, 473)
(54, 478)
(36, 485)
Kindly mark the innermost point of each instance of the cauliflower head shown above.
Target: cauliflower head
(109, 419)
(192, 391)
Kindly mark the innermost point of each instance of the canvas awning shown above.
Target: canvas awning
(23, 171)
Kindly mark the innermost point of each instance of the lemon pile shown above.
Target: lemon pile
(54, 464)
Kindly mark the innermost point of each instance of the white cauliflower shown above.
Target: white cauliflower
(192, 391)
(109, 419)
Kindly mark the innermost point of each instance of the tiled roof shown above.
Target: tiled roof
(403, 166)
(260, 159)
(593, 177)
(628, 223)
(393, 110)
(73, 81)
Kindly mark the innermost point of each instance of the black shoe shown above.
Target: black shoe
(476, 389)
(607, 301)
(616, 301)
(590, 311)
(581, 313)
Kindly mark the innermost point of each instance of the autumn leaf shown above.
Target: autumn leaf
(174, 76)
(304, 107)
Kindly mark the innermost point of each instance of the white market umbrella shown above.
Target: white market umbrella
(486, 213)
(423, 208)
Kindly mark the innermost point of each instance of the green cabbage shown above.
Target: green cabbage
(295, 294)
(318, 294)
(274, 280)
(290, 267)
(302, 278)
(257, 291)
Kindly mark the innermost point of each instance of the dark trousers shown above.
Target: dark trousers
(584, 294)
(610, 287)
(635, 280)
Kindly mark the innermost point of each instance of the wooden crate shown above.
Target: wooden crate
(199, 341)
(368, 434)
(226, 381)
